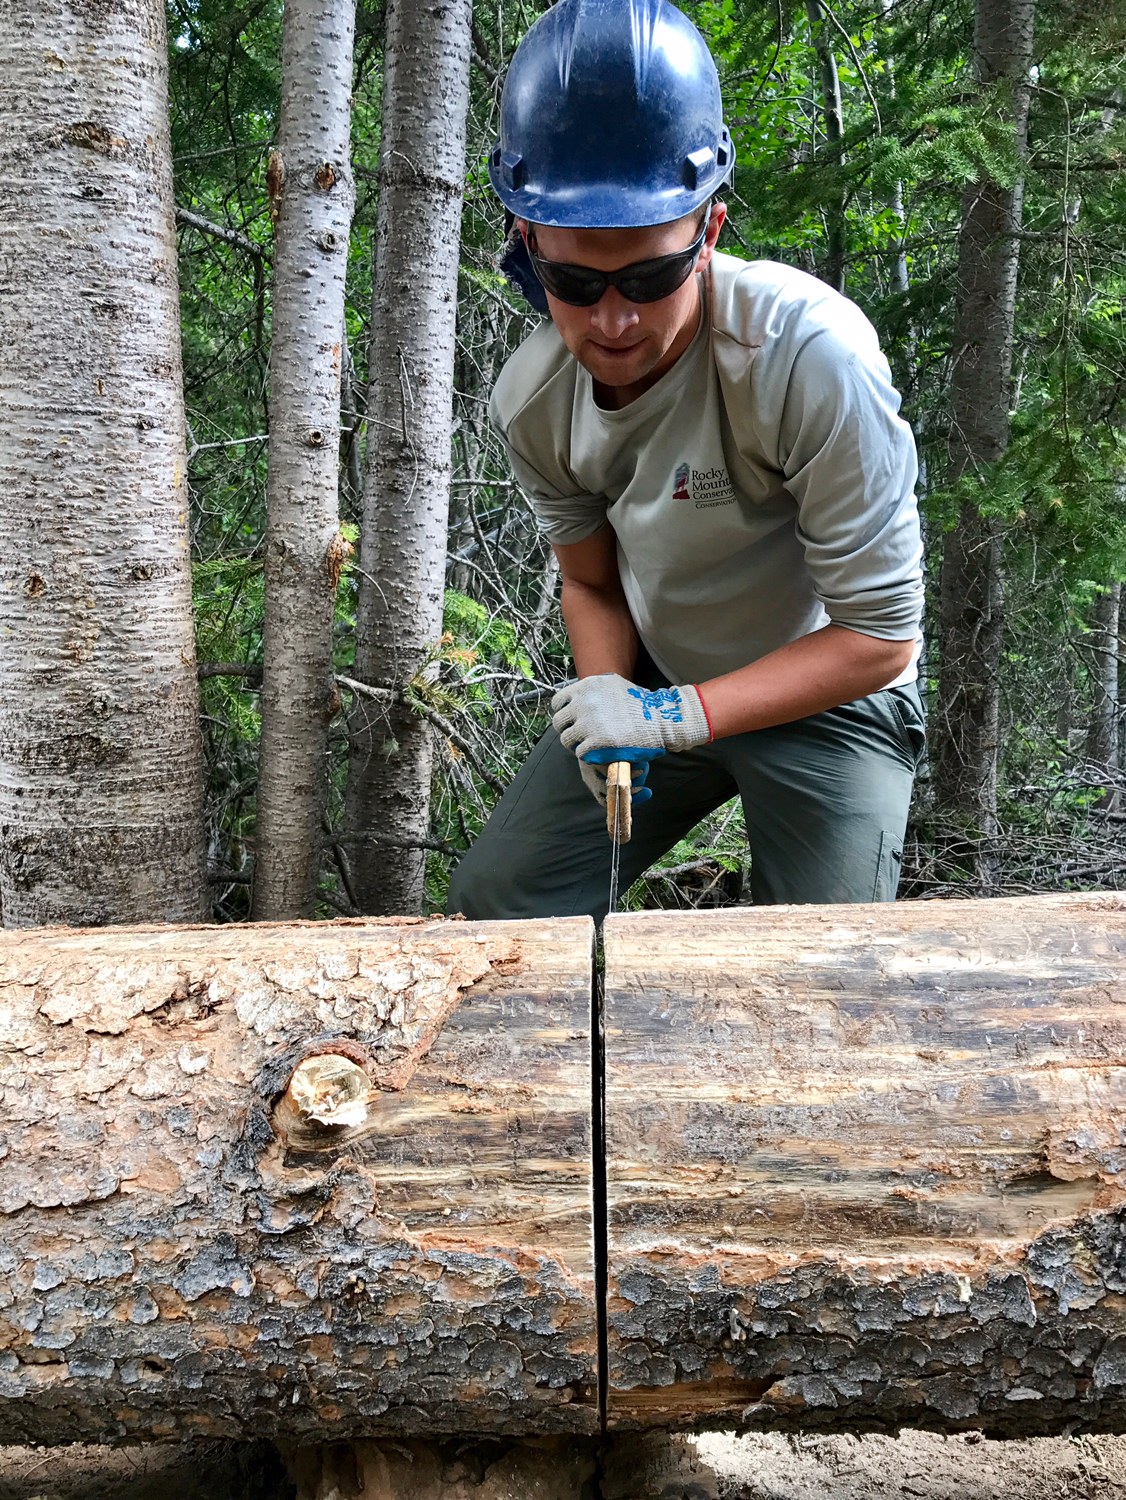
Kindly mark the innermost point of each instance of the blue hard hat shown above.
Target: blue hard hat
(611, 118)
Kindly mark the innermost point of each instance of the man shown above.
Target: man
(714, 451)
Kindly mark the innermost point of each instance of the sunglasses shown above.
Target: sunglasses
(644, 281)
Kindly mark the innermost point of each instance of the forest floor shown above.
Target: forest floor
(918, 1466)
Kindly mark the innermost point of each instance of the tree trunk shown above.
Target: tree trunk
(313, 194)
(833, 271)
(967, 721)
(306, 1182)
(100, 755)
(410, 401)
(1105, 730)
(865, 1166)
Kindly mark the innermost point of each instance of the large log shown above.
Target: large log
(866, 1166)
(190, 1245)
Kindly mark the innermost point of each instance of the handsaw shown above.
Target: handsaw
(619, 817)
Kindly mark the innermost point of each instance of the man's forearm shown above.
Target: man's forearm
(602, 634)
(831, 666)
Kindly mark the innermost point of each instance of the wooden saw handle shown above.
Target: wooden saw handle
(619, 800)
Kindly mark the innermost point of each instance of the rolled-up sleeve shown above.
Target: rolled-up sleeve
(563, 519)
(849, 461)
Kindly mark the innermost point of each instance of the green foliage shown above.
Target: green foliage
(474, 639)
(707, 868)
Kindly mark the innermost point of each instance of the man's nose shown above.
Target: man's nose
(612, 315)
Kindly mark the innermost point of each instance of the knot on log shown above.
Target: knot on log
(327, 1093)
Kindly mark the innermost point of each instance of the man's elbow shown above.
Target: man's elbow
(901, 653)
(885, 659)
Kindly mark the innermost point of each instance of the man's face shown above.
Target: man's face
(627, 346)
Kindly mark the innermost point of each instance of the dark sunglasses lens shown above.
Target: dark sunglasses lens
(573, 284)
(661, 281)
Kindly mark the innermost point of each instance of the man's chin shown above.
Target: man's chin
(614, 367)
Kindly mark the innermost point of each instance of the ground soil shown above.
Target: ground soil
(189, 1471)
(918, 1466)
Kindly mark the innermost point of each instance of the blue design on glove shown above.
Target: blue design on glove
(659, 703)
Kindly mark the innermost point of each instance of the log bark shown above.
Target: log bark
(196, 1242)
(866, 1167)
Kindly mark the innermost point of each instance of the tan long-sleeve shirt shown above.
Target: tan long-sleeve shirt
(763, 487)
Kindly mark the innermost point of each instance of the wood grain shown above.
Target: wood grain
(174, 1260)
(867, 1166)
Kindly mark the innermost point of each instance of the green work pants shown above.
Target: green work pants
(825, 801)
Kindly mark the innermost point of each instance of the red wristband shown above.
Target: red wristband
(707, 716)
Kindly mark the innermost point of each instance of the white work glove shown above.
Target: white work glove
(606, 718)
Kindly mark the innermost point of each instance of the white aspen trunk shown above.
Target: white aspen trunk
(100, 754)
(410, 401)
(314, 194)
(972, 586)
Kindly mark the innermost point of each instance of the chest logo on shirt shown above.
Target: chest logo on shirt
(707, 487)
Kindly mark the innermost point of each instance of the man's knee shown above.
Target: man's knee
(471, 894)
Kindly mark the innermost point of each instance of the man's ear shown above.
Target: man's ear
(715, 224)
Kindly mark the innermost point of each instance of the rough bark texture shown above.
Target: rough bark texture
(966, 726)
(866, 1167)
(100, 757)
(407, 479)
(313, 201)
(178, 1259)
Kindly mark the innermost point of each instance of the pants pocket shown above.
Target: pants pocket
(888, 867)
(907, 712)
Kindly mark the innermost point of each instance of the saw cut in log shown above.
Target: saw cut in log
(309, 1180)
(866, 1166)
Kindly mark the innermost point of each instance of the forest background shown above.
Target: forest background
(971, 200)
